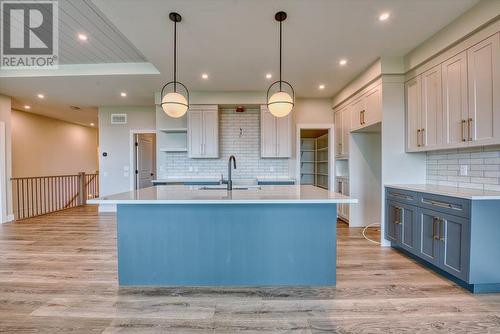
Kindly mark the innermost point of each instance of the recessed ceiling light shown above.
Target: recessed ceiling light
(92, 124)
(342, 62)
(41, 96)
(83, 37)
(204, 76)
(321, 86)
(384, 16)
(123, 94)
(27, 107)
(269, 76)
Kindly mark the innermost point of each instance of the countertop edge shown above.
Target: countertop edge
(445, 193)
(242, 201)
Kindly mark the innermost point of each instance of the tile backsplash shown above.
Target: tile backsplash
(483, 167)
(239, 134)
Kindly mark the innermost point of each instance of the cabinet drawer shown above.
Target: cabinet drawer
(450, 205)
(402, 196)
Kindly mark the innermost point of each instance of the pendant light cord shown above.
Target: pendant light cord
(175, 56)
(280, 54)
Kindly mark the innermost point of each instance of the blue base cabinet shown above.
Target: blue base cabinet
(458, 238)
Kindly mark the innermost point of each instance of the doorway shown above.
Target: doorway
(144, 160)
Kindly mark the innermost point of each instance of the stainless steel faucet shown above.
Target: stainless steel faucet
(229, 178)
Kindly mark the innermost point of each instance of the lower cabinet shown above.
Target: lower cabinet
(402, 227)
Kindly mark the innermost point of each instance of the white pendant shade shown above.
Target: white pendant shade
(174, 105)
(280, 104)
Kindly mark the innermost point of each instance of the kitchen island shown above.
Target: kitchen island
(209, 236)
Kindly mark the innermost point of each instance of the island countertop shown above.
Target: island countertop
(281, 194)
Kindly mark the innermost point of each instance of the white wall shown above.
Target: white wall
(115, 140)
(473, 19)
(46, 146)
(6, 170)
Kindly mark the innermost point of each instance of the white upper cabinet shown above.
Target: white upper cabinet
(456, 103)
(373, 104)
(339, 138)
(455, 108)
(276, 135)
(342, 119)
(203, 132)
(413, 101)
(358, 112)
(484, 92)
(431, 116)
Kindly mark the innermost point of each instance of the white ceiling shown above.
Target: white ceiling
(234, 41)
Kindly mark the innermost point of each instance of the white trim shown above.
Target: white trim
(3, 176)
(331, 154)
(131, 155)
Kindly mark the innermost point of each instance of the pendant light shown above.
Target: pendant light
(281, 102)
(174, 104)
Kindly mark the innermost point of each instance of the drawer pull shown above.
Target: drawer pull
(442, 204)
(441, 230)
(403, 196)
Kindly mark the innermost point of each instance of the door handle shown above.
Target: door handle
(423, 141)
(441, 227)
(435, 221)
(361, 118)
(469, 125)
(418, 137)
(364, 119)
(397, 221)
(463, 130)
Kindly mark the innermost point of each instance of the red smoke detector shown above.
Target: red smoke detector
(240, 109)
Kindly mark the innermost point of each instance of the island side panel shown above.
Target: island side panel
(227, 244)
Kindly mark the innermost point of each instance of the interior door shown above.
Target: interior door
(455, 106)
(484, 86)
(145, 160)
(413, 101)
(432, 108)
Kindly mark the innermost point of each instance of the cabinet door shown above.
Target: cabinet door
(454, 245)
(267, 134)
(210, 134)
(358, 111)
(338, 133)
(373, 113)
(410, 237)
(195, 133)
(392, 226)
(429, 243)
(484, 87)
(283, 136)
(413, 94)
(346, 130)
(432, 109)
(455, 108)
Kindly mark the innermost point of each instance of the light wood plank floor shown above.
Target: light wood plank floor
(58, 275)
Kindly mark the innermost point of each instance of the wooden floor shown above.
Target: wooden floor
(58, 275)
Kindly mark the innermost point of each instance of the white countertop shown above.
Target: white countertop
(254, 195)
(187, 179)
(466, 193)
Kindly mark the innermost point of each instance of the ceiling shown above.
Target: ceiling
(234, 41)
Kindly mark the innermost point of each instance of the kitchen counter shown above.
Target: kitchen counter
(261, 236)
(465, 193)
(252, 195)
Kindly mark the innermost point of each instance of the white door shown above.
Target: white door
(432, 108)
(210, 143)
(413, 101)
(145, 160)
(195, 133)
(346, 130)
(283, 136)
(484, 90)
(455, 107)
(267, 134)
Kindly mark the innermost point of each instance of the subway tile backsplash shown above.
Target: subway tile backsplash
(244, 145)
(483, 165)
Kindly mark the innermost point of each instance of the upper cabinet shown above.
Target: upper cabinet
(203, 132)
(276, 135)
(342, 130)
(367, 109)
(483, 71)
(456, 103)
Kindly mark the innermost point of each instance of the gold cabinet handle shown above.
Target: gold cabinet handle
(361, 118)
(441, 228)
(469, 126)
(423, 137)
(418, 137)
(434, 233)
(463, 130)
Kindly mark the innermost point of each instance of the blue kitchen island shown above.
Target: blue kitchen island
(208, 236)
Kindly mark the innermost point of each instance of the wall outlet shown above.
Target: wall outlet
(464, 170)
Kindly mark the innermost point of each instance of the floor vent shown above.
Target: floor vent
(118, 118)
